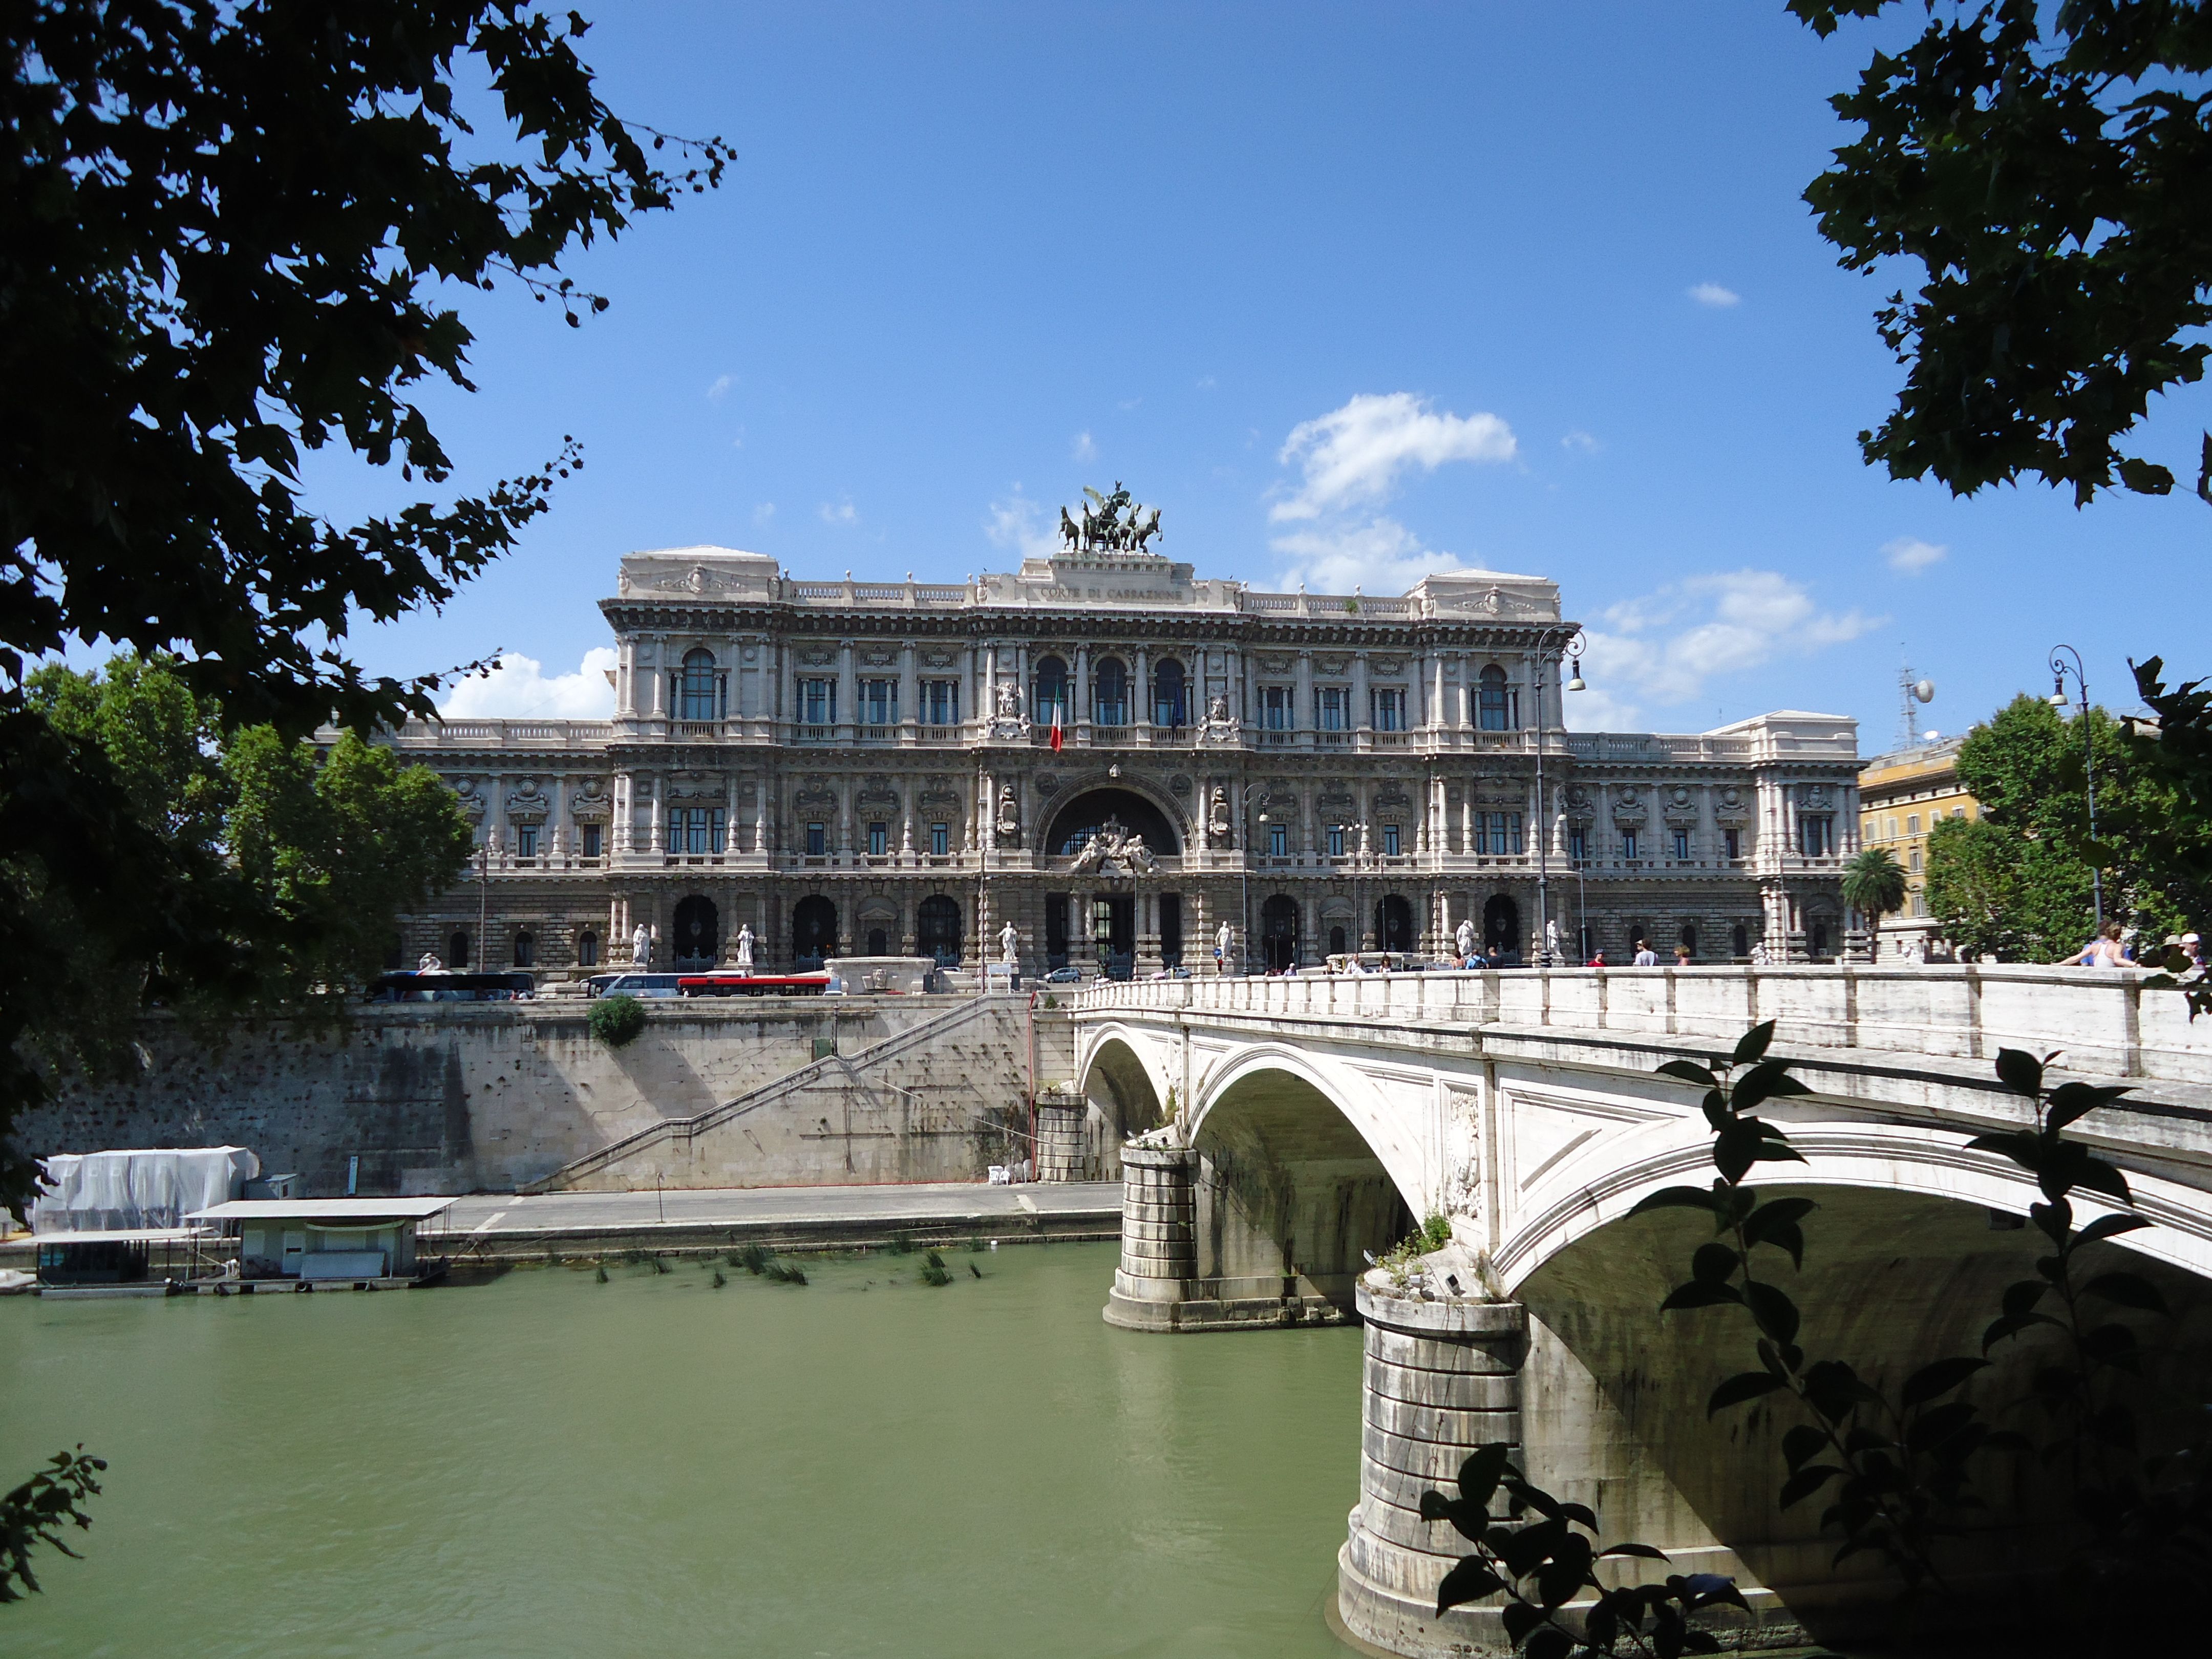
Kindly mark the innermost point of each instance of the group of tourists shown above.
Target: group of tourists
(2112, 948)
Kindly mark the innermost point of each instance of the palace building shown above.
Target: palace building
(1118, 756)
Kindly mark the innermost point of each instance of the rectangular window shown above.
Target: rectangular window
(879, 840)
(696, 831)
(1916, 862)
(1498, 835)
(1912, 824)
(879, 701)
(1389, 711)
(1277, 706)
(1279, 841)
(940, 840)
(1732, 843)
(817, 702)
(940, 702)
(1578, 846)
(1682, 845)
(1390, 841)
(1628, 843)
(591, 840)
(525, 840)
(1336, 841)
(1920, 904)
(1335, 708)
(817, 840)
(1890, 831)
(1815, 835)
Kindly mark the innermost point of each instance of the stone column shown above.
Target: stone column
(1363, 717)
(1159, 1247)
(1141, 694)
(1081, 695)
(848, 692)
(657, 827)
(909, 693)
(787, 680)
(1442, 1378)
(1306, 717)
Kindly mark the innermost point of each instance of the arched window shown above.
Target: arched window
(1741, 939)
(879, 942)
(526, 950)
(1170, 705)
(1690, 937)
(1497, 704)
(698, 700)
(588, 949)
(1110, 693)
(1049, 679)
(457, 949)
(937, 929)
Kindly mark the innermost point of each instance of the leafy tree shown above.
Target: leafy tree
(301, 860)
(36, 1511)
(617, 1020)
(1874, 882)
(227, 235)
(2020, 886)
(2044, 166)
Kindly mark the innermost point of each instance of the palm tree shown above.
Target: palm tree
(1874, 882)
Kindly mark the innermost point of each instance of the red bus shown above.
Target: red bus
(751, 985)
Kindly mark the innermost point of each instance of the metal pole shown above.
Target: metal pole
(483, 899)
(2088, 761)
(1543, 825)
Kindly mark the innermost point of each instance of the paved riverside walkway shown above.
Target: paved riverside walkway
(497, 1225)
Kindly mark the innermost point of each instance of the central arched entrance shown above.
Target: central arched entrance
(813, 932)
(698, 932)
(937, 930)
(1278, 934)
(1089, 813)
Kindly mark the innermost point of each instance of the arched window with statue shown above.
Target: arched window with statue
(1497, 704)
(698, 700)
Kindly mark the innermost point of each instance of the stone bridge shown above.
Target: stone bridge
(1283, 1130)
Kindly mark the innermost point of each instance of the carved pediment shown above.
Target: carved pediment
(1580, 808)
(879, 658)
(1818, 798)
(1679, 806)
(938, 798)
(817, 656)
(822, 796)
(1390, 795)
(877, 794)
(1386, 665)
(526, 803)
(1629, 807)
(1732, 806)
(940, 659)
(1332, 664)
(692, 786)
(1276, 664)
(472, 802)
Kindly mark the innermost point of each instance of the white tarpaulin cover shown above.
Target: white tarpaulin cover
(85, 1191)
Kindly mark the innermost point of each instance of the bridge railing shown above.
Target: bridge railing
(2101, 1019)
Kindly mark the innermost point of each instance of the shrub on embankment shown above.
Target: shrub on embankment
(617, 1020)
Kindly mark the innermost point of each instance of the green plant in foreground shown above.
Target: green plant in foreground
(617, 1020)
(35, 1512)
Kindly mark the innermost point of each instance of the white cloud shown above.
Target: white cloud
(1713, 295)
(1581, 440)
(720, 388)
(519, 686)
(1205, 383)
(1378, 556)
(1082, 449)
(1016, 523)
(1909, 555)
(837, 513)
(1355, 453)
(1665, 645)
(764, 511)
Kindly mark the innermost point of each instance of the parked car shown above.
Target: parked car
(1172, 973)
(1064, 976)
(411, 987)
(634, 985)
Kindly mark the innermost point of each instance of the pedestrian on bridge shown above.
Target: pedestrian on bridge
(1645, 955)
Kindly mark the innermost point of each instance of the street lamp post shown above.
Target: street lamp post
(1569, 642)
(2058, 670)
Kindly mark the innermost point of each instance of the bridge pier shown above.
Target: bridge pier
(1440, 1378)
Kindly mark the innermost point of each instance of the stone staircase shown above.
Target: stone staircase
(936, 1103)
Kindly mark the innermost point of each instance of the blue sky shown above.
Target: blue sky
(1349, 292)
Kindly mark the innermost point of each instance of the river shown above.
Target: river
(545, 1465)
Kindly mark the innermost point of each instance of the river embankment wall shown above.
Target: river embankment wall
(460, 1097)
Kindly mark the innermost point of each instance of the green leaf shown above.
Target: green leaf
(2128, 1290)
(1549, 1642)
(1469, 1580)
(1775, 1223)
(1801, 1443)
(1750, 1047)
(1932, 1382)
(1769, 1080)
(1519, 1618)
(2110, 1227)
(2020, 1072)
(1688, 1071)
(1643, 1551)
(2072, 1101)
(1714, 1264)
(1479, 1473)
(1777, 1314)
(1744, 1385)
(1702, 1293)
(1807, 1481)
(2021, 1145)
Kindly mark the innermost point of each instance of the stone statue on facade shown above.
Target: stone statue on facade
(1010, 812)
(1009, 943)
(743, 954)
(1114, 850)
(429, 963)
(1552, 940)
(641, 946)
(1217, 817)
(1219, 725)
(1010, 700)
(1224, 937)
(1464, 939)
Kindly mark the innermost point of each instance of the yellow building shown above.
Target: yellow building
(1903, 796)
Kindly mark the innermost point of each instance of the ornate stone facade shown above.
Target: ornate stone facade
(901, 768)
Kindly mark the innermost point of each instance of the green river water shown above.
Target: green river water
(545, 1465)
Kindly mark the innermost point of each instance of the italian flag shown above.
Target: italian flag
(1055, 728)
